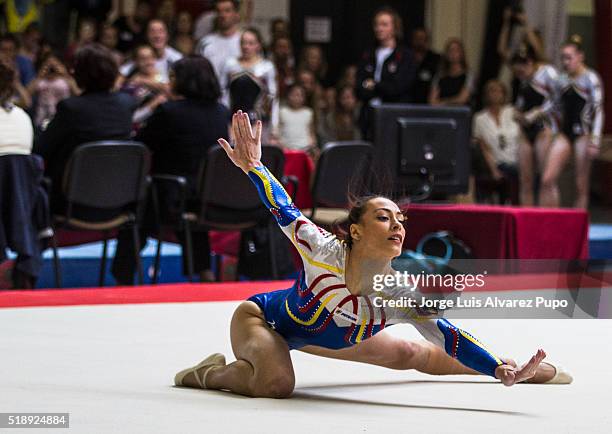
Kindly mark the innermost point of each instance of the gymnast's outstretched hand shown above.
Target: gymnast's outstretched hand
(509, 375)
(246, 153)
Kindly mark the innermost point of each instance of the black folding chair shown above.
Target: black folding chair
(340, 164)
(110, 176)
(228, 201)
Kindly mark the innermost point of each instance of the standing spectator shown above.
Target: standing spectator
(180, 133)
(183, 39)
(279, 28)
(427, 62)
(85, 35)
(249, 83)
(296, 125)
(132, 27)
(109, 37)
(97, 114)
(146, 85)
(282, 57)
(498, 135)
(167, 14)
(165, 56)
(341, 123)
(581, 100)
(313, 60)
(225, 42)
(9, 49)
(52, 84)
(453, 84)
(15, 124)
(31, 40)
(385, 74)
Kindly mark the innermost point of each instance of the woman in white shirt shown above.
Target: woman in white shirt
(15, 125)
(249, 83)
(498, 135)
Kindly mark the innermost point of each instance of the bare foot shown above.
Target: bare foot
(510, 375)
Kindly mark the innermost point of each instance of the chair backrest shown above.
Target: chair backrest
(224, 185)
(340, 163)
(109, 174)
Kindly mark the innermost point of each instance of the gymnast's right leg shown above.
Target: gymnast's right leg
(263, 366)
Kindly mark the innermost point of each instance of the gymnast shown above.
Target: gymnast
(329, 310)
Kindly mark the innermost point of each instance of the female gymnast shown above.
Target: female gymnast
(582, 112)
(535, 105)
(329, 310)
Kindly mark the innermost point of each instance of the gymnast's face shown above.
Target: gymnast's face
(380, 231)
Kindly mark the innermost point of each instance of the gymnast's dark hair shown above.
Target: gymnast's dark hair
(195, 78)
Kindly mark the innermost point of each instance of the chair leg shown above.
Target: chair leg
(189, 248)
(136, 239)
(103, 260)
(157, 260)
(56, 262)
(218, 266)
(272, 250)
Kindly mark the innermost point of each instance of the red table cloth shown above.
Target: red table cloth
(505, 232)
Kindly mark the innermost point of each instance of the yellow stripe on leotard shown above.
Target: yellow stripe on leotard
(360, 333)
(476, 342)
(312, 261)
(268, 188)
(316, 315)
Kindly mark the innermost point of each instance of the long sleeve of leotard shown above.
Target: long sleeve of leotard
(317, 247)
(596, 95)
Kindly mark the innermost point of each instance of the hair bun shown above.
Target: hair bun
(576, 39)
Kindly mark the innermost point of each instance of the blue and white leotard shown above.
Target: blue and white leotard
(319, 309)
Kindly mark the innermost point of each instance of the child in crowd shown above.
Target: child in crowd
(296, 123)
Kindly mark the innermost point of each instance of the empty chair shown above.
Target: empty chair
(339, 165)
(108, 176)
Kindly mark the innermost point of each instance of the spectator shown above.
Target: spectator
(167, 14)
(97, 114)
(132, 28)
(385, 74)
(314, 91)
(535, 106)
(225, 42)
(180, 133)
(183, 39)
(348, 77)
(296, 124)
(427, 62)
(52, 84)
(341, 123)
(249, 83)
(9, 49)
(86, 35)
(31, 40)
(282, 57)
(498, 135)
(146, 85)
(109, 37)
(313, 60)
(15, 124)
(279, 28)
(165, 56)
(453, 84)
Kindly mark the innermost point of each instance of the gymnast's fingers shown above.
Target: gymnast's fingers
(226, 146)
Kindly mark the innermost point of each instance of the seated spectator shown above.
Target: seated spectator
(453, 84)
(427, 62)
(313, 60)
(180, 133)
(498, 135)
(85, 35)
(97, 114)
(15, 124)
(296, 123)
(341, 123)
(51, 85)
(145, 84)
(109, 37)
(9, 49)
(183, 39)
(282, 57)
(165, 56)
